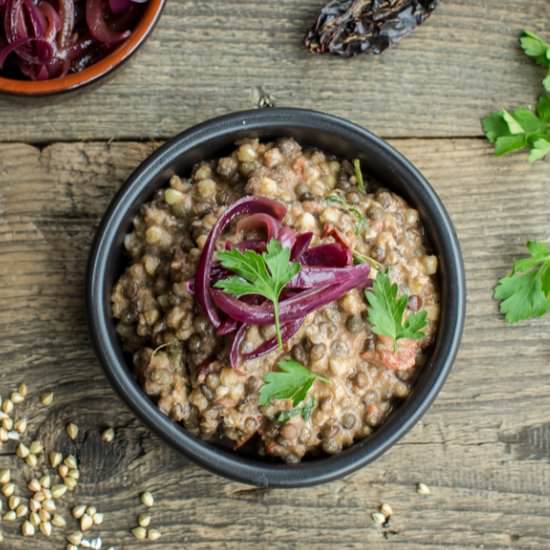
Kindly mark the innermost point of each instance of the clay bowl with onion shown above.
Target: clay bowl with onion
(51, 48)
(211, 140)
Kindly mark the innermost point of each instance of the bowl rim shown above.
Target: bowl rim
(209, 456)
(93, 73)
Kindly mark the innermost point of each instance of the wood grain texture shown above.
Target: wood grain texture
(483, 448)
(210, 58)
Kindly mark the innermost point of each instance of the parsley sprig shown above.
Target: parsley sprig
(534, 46)
(525, 292)
(524, 128)
(521, 129)
(386, 311)
(292, 381)
(263, 274)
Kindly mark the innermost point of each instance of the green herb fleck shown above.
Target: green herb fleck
(362, 222)
(306, 410)
(359, 175)
(525, 293)
(359, 258)
(263, 274)
(292, 381)
(386, 310)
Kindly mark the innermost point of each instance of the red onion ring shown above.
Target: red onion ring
(66, 18)
(236, 346)
(53, 22)
(300, 245)
(329, 255)
(293, 308)
(119, 6)
(36, 18)
(97, 25)
(246, 205)
(270, 225)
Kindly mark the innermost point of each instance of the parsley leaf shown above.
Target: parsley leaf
(362, 222)
(386, 311)
(543, 108)
(525, 293)
(519, 130)
(293, 381)
(534, 46)
(509, 144)
(264, 274)
(494, 127)
(513, 124)
(306, 410)
(540, 149)
(523, 128)
(359, 175)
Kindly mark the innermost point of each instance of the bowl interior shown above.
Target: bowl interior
(211, 140)
(94, 72)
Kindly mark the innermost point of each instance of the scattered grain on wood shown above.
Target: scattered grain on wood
(378, 518)
(58, 490)
(139, 533)
(423, 489)
(46, 398)
(86, 522)
(58, 520)
(147, 499)
(9, 516)
(75, 538)
(153, 534)
(36, 448)
(72, 430)
(27, 529)
(144, 520)
(108, 435)
(4, 476)
(78, 511)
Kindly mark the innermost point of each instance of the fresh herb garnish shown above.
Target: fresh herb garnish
(525, 293)
(306, 410)
(263, 274)
(362, 222)
(386, 311)
(523, 128)
(534, 46)
(359, 175)
(293, 381)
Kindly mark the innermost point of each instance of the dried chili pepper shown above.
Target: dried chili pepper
(351, 27)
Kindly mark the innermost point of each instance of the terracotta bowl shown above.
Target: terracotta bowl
(96, 72)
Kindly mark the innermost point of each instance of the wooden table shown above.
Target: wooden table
(484, 446)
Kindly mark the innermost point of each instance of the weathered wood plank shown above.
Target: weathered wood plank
(210, 58)
(484, 447)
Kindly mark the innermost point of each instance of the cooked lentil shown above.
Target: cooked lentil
(184, 366)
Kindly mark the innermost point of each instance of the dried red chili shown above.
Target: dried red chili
(351, 27)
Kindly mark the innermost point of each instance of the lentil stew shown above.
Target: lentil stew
(183, 364)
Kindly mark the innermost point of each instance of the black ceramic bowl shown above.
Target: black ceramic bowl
(210, 140)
